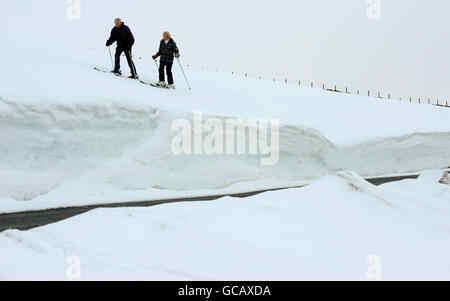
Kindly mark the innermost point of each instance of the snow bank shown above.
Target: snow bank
(64, 154)
(325, 231)
(431, 188)
(72, 136)
(435, 176)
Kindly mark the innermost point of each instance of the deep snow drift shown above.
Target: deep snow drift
(326, 231)
(60, 155)
(72, 136)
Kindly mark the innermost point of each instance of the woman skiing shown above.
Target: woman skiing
(167, 51)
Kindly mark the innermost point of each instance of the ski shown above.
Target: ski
(155, 85)
(95, 68)
(141, 81)
(118, 75)
(105, 71)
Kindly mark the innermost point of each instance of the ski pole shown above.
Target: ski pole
(184, 74)
(156, 63)
(110, 56)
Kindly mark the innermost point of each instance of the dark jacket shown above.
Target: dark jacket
(167, 51)
(123, 36)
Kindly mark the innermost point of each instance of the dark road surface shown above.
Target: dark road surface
(33, 219)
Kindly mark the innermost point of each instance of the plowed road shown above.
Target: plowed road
(33, 219)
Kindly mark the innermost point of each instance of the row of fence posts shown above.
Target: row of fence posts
(420, 100)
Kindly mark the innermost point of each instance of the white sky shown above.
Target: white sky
(404, 53)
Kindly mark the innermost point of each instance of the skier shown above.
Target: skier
(167, 50)
(125, 41)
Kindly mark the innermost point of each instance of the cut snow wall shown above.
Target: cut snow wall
(93, 147)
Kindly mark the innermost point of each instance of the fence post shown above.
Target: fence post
(368, 93)
(312, 85)
(299, 82)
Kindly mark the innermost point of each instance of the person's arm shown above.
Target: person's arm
(175, 50)
(130, 36)
(158, 54)
(111, 39)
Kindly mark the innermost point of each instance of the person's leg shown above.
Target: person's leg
(119, 51)
(161, 71)
(130, 62)
(169, 73)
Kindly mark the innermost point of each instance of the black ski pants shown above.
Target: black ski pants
(127, 50)
(168, 66)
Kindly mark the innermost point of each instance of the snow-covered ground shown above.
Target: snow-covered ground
(73, 136)
(335, 229)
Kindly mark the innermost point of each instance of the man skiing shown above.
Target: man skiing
(125, 41)
(167, 50)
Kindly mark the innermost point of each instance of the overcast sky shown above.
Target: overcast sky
(405, 52)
